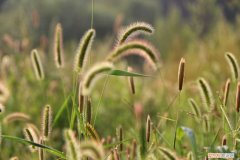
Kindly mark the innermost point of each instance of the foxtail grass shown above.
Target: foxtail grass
(92, 132)
(136, 47)
(92, 150)
(234, 66)
(134, 30)
(72, 146)
(83, 50)
(16, 116)
(206, 93)
(167, 153)
(89, 110)
(93, 74)
(181, 74)
(41, 154)
(30, 135)
(226, 92)
(37, 65)
(46, 122)
(148, 129)
(58, 46)
(80, 98)
(195, 108)
(238, 98)
(206, 124)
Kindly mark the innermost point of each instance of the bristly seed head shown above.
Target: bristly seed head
(238, 98)
(206, 93)
(136, 47)
(226, 92)
(134, 30)
(181, 74)
(148, 129)
(93, 74)
(72, 146)
(83, 50)
(16, 116)
(233, 63)
(37, 65)
(30, 135)
(58, 46)
(46, 122)
(89, 110)
(80, 98)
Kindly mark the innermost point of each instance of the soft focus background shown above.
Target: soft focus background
(201, 31)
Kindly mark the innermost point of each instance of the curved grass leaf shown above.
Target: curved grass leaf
(117, 72)
(47, 148)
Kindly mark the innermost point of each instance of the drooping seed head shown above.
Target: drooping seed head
(93, 74)
(131, 81)
(167, 154)
(238, 98)
(14, 158)
(58, 46)
(206, 93)
(206, 124)
(190, 156)
(34, 128)
(136, 47)
(226, 92)
(134, 30)
(148, 129)
(46, 122)
(72, 146)
(37, 65)
(16, 116)
(92, 149)
(195, 108)
(30, 135)
(233, 63)
(181, 73)
(83, 50)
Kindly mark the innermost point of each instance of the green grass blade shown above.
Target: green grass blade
(60, 111)
(47, 148)
(126, 73)
(226, 117)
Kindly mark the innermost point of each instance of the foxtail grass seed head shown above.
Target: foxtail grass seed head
(206, 93)
(94, 74)
(195, 108)
(2, 109)
(148, 129)
(80, 98)
(136, 47)
(83, 50)
(224, 140)
(134, 149)
(30, 135)
(14, 158)
(131, 81)
(72, 146)
(40, 150)
(120, 139)
(206, 124)
(233, 63)
(89, 110)
(34, 128)
(16, 116)
(58, 46)
(181, 74)
(115, 154)
(133, 30)
(92, 150)
(46, 122)
(226, 91)
(92, 132)
(190, 156)
(37, 65)
(167, 154)
(238, 98)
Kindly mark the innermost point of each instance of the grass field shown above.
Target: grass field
(149, 91)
